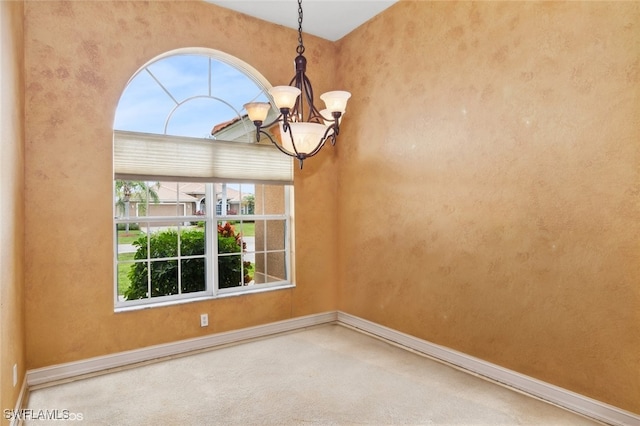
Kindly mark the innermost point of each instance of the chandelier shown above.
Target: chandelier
(303, 131)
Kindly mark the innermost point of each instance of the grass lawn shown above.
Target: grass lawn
(123, 272)
(125, 237)
(248, 229)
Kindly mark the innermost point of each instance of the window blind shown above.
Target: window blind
(146, 156)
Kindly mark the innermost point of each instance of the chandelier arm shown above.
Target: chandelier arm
(293, 144)
(284, 151)
(333, 135)
(308, 91)
(297, 112)
(336, 126)
(293, 81)
(333, 127)
(264, 126)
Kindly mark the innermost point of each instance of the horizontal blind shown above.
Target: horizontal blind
(145, 156)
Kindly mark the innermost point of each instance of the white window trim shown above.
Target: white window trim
(211, 256)
(170, 157)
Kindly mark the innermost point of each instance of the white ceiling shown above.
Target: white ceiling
(329, 19)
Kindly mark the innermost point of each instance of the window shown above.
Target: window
(200, 210)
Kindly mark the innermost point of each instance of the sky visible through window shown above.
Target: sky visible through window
(186, 95)
(190, 94)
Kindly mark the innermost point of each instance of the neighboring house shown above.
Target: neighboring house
(236, 129)
(188, 200)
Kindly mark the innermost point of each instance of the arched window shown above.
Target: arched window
(200, 209)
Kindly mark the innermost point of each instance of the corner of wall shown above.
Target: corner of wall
(12, 347)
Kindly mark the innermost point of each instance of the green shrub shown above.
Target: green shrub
(132, 227)
(164, 274)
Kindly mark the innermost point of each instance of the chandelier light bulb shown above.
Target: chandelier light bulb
(336, 101)
(257, 111)
(305, 137)
(285, 96)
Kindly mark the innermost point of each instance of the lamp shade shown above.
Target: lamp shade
(336, 100)
(285, 96)
(257, 111)
(306, 136)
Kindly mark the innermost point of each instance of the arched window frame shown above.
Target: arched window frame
(144, 157)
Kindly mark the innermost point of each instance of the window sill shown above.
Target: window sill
(119, 309)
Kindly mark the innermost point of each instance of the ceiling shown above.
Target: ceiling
(329, 19)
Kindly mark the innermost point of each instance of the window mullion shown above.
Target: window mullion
(211, 238)
(148, 259)
(288, 207)
(179, 239)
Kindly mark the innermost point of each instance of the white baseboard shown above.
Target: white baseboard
(548, 392)
(16, 420)
(566, 399)
(69, 370)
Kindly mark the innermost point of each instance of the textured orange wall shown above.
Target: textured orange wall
(489, 185)
(12, 346)
(79, 57)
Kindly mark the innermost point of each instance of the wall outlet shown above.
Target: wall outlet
(15, 375)
(204, 320)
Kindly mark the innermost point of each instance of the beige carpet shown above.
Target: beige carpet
(327, 375)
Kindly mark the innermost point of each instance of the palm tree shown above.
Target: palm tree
(137, 191)
(249, 201)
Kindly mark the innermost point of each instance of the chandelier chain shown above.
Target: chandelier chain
(300, 48)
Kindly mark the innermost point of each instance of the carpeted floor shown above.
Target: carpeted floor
(326, 375)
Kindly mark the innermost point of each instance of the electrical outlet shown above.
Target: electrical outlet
(15, 375)
(204, 320)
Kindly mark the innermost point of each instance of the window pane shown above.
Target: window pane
(198, 117)
(124, 282)
(249, 266)
(276, 267)
(270, 267)
(259, 275)
(191, 197)
(193, 275)
(248, 199)
(133, 198)
(272, 199)
(128, 234)
(163, 242)
(229, 271)
(228, 239)
(138, 284)
(275, 234)
(192, 241)
(164, 278)
(246, 229)
(260, 233)
(193, 72)
(232, 85)
(143, 106)
(139, 245)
